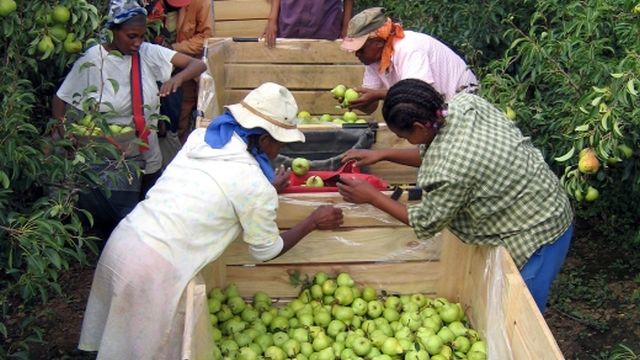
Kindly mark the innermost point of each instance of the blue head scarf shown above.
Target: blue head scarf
(219, 133)
(123, 10)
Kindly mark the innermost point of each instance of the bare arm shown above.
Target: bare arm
(325, 217)
(347, 11)
(362, 192)
(271, 30)
(57, 108)
(368, 100)
(363, 157)
(191, 68)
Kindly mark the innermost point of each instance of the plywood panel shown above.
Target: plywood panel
(241, 10)
(357, 245)
(291, 51)
(246, 28)
(274, 279)
(249, 76)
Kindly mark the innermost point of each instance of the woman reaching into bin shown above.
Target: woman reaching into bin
(222, 178)
(479, 177)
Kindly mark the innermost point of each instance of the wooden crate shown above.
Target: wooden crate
(309, 68)
(485, 280)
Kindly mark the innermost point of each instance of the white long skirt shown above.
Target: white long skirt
(133, 309)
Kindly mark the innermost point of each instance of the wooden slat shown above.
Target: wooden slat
(316, 102)
(293, 208)
(241, 10)
(290, 51)
(274, 279)
(294, 77)
(532, 336)
(247, 28)
(356, 245)
(385, 139)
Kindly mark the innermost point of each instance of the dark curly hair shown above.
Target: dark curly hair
(409, 101)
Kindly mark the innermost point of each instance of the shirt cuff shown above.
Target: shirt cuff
(264, 252)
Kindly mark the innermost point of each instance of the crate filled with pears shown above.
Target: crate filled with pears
(365, 292)
(334, 317)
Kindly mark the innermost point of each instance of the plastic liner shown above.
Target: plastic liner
(496, 333)
(323, 148)
(353, 213)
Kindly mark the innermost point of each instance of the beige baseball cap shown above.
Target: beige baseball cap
(361, 26)
(271, 107)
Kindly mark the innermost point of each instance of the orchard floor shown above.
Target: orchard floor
(591, 308)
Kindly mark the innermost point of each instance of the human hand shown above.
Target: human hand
(270, 33)
(356, 191)
(362, 157)
(170, 86)
(327, 217)
(366, 98)
(281, 180)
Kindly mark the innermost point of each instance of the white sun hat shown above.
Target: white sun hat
(271, 107)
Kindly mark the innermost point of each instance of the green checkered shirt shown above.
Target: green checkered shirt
(487, 183)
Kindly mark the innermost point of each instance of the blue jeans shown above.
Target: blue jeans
(543, 266)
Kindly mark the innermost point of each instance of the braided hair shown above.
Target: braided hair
(410, 101)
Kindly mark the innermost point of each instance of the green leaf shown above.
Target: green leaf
(616, 128)
(617, 75)
(568, 155)
(54, 257)
(582, 128)
(86, 65)
(114, 84)
(4, 179)
(631, 87)
(596, 101)
(603, 122)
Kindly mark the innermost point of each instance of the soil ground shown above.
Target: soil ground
(591, 306)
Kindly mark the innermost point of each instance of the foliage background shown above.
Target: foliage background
(42, 232)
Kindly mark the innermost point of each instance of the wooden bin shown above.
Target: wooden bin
(485, 280)
(309, 68)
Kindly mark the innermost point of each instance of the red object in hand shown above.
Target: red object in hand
(330, 179)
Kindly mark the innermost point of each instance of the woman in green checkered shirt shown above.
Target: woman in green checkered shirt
(479, 176)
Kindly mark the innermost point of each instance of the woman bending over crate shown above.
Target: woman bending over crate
(391, 54)
(217, 189)
(479, 176)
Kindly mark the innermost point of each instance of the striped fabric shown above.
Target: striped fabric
(488, 184)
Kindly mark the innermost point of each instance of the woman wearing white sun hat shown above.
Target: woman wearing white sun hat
(223, 179)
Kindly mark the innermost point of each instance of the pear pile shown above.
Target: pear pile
(87, 127)
(334, 318)
(348, 117)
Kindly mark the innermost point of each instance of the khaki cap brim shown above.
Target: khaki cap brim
(353, 44)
